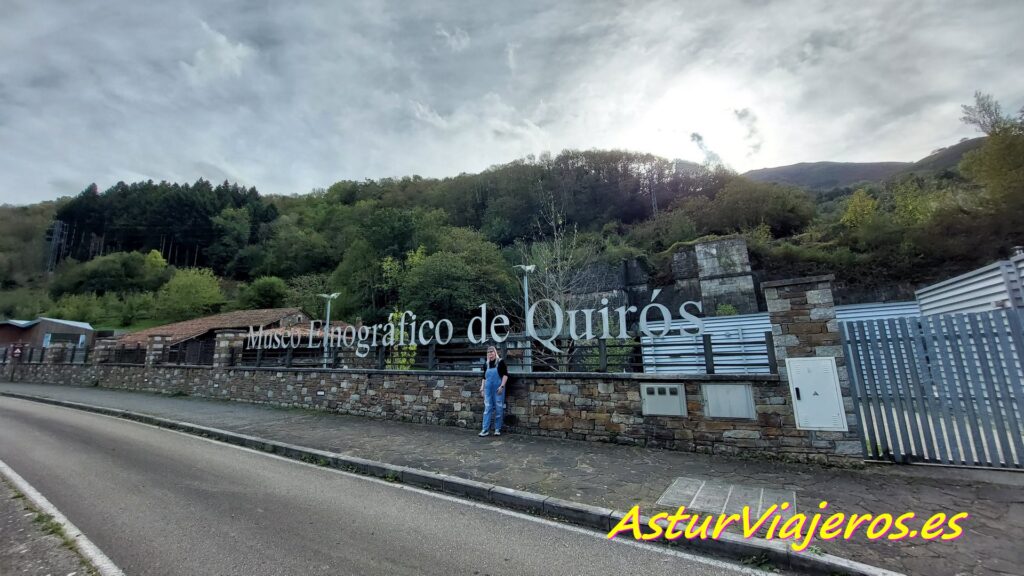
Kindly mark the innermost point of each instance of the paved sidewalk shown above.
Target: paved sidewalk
(621, 476)
(31, 545)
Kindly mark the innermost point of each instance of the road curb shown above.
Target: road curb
(594, 517)
(100, 561)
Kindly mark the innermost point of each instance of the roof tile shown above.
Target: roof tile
(180, 331)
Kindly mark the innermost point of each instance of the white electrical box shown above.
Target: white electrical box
(728, 401)
(814, 389)
(663, 399)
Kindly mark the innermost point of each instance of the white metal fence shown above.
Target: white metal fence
(676, 354)
(991, 287)
(941, 389)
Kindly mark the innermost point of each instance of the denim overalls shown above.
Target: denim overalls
(494, 403)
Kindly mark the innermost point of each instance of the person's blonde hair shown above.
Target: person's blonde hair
(497, 357)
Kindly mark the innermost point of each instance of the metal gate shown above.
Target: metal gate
(942, 389)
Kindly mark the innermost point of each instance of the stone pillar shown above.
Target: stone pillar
(155, 348)
(725, 276)
(7, 369)
(101, 350)
(226, 341)
(57, 353)
(803, 317)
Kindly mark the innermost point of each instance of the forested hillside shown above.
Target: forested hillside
(143, 253)
(829, 175)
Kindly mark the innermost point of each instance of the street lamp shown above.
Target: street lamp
(528, 353)
(327, 321)
(527, 269)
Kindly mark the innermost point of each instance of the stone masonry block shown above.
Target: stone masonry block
(787, 340)
(741, 434)
(848, 448)
(806, 328)
(823, 313)
(819, 296)
(834, 351)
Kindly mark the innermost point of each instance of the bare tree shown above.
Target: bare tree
(987, 115)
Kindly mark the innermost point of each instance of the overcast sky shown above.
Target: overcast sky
(291, 96)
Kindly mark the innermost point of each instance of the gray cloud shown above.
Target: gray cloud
(292, 97)
(749, 121)
(457, 40)
(709, 155)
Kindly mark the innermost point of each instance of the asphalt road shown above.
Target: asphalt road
(159, 502)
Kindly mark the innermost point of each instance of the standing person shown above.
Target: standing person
(492, 387)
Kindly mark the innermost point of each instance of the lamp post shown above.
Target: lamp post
(327, 321)
(528, 353)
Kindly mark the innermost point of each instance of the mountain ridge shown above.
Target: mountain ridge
(827, 175)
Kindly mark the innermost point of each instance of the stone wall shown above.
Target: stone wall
(591, 407)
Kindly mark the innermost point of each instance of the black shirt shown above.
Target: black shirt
(502, 368)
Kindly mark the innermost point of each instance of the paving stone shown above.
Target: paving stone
(744, 496)
(711, 497)
(680, 492)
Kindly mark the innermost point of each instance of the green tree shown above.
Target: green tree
(265, 292)
(232, 229)
(998, 166)
(662, 231)
(192, 292)
(294, 250)
(444, 285)
(304, 291)
(154, 262)
(136, 306)
(860, 209)
(118, 272)
(987, 115)
(23, 303)
(358, 278)
(453, 282)
(401, 356)
(78, 307)
(743, 204)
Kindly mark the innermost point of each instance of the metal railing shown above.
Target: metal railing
(629, 355)
(41, 355)
(190, 353)
(125, 355)
(521, 355)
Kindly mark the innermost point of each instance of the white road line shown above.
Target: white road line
(103, 564)
(697, 493)
(456, 500)
(727, 497)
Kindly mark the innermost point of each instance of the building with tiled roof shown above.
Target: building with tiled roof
(205, 327)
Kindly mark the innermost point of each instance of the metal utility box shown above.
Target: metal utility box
(663, 399)
(817, 399)
(729, 401)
